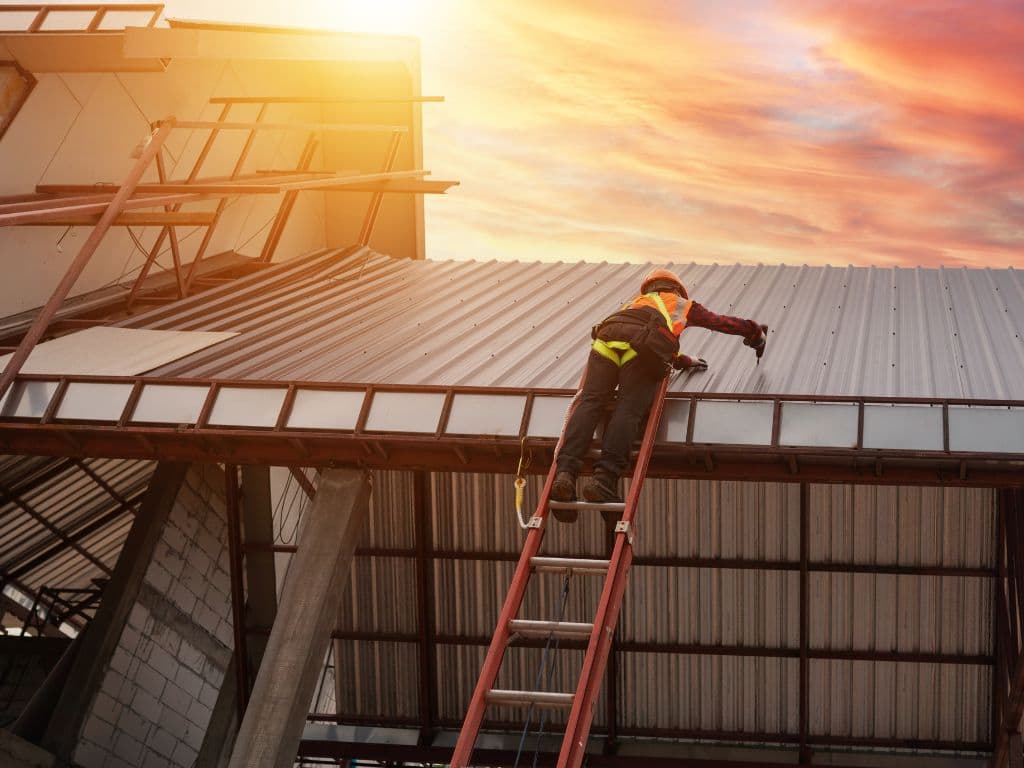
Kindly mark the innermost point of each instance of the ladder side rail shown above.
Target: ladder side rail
(592, 675)
(510, 610)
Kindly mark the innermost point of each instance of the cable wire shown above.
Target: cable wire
(548, 647)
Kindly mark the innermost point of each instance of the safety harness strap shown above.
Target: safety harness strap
(619, 352)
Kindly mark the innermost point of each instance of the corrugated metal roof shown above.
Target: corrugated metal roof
(59, 526)
(358, 316)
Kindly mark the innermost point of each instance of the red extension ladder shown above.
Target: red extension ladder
(581, 703)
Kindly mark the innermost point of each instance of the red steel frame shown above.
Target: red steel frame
(592, 674)
(284, 446)
(100, 10)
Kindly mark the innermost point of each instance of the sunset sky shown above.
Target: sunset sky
(793, 131)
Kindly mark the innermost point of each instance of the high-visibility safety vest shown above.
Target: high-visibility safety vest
(672, 307)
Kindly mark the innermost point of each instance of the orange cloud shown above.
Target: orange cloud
(806, 132)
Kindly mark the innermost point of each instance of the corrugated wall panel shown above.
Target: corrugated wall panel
(712, 607)
(900, 700)
(380, 596)
(377, 678)
(709, 693)
(898, 525)
(732, 607)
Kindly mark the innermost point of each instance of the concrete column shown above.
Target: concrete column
(273, 724)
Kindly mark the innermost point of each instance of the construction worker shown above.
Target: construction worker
(633, 349)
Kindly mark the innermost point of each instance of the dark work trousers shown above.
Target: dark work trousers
(638, 382)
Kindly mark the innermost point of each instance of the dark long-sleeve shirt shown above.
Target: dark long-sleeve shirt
(702, 317)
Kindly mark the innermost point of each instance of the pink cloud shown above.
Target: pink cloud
(820, 133)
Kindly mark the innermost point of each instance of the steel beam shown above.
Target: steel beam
(239, 163)
(321, 100)
(378, 197)
(1008, 680)
(423, 524)
(155, 250)
(287, 203)
(260, 572)
(235, 551)
(804, 755)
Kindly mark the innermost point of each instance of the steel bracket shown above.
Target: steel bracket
(626, 527)
(536, 522)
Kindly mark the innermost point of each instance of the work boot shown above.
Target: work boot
(564, 489)
(603, 488)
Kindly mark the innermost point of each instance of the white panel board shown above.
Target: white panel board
(903, 427)
(674, 421)
(247, 406)
(548, 415)
(105, 351)
(320, 409)
(825, 425)
(28, 400)
(486, 415)
(733, 423)
(993, 430)
(170, 404)
(405, 412)
(94, 401)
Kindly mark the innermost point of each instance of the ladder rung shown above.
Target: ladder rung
(567, 630)
(566, 564)
(611, 506)
(547, 699)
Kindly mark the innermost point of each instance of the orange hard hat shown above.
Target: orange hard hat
(663, 276)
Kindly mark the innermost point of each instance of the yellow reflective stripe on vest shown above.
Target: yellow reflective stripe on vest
(660, 303)
(608, 349)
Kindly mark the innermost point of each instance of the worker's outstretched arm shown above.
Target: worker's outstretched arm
(754, 334)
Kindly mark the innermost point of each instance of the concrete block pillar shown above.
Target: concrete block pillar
(147, 676)
(270, 733)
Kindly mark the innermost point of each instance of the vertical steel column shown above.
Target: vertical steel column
(237, 585)
(805, 751)
(425, 602)
(74, 271)
(1000, 633)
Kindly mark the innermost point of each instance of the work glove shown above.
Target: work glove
(757, 343)
(686, 363)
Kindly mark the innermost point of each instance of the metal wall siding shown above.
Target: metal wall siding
(902, 525)
(900, 700)
(376, 678)
(390, 521)
(380, 596)
(709, 693)
(734, 607)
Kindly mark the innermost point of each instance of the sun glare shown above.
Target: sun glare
(407, 17)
